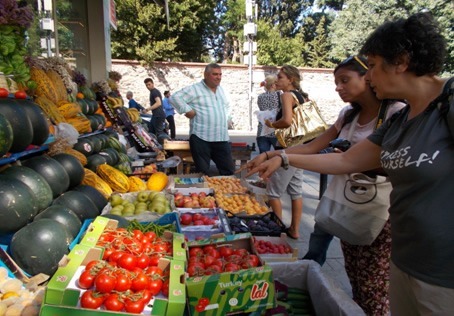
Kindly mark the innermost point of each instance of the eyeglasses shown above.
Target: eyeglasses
(356, 58)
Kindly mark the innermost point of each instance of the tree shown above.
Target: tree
(142, 31)
(274, 50)
(360, 17)
(317, 50)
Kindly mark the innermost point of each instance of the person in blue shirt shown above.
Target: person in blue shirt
(170, 111)
(133, 103)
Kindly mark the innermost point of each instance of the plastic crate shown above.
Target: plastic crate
(246, 220)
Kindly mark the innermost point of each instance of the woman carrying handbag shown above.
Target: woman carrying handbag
(367, 266)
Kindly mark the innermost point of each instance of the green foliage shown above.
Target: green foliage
(317, 50)
(275, 50)
(360, 17)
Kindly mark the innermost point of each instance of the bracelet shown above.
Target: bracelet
(266, 154)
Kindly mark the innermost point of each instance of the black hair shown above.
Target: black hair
(357, 64)
(419, 37)
(148, 80)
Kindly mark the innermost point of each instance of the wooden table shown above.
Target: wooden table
(241, 152)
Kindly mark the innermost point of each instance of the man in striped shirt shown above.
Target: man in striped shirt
(207, 106)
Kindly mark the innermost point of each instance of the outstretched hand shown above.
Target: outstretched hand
(262, 166)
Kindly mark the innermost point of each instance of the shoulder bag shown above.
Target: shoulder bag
(307, 123)
(354, 207)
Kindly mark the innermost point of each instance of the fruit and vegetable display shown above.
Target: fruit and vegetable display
(129, 274)
(194, 200)
(240, 203)
(212, 259)
(16, 298)
(225, 185)
(136, 203)
(266, 225)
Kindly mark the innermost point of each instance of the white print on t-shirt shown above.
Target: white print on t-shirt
(398, 159)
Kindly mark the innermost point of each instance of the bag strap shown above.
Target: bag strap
(381, 114)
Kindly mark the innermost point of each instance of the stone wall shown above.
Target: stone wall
(319, 83)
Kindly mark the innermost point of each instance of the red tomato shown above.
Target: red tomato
(154, 271)
(165, 288)
(161, 247)
(96, 264)
(116, 255)
(20, 95)
(213, 269)
(138, 234)
(3, 93)
(200, 308)
(105, 283)
(143, 261)
(208, 260)
(231, 267)
(240, 252)
(225, 251)
(154, 259)
(127, 261)
(107, 252)
(140, 282)
(186, 219)
(197, 217)
(196, 269)
(208, 248)
(114, 303)
(91, 299)
(151, 236)
(204, 301)
(214, 253)
(195, 251)
(123, 282)
(134, 306)
(155, 286)
(86, 279)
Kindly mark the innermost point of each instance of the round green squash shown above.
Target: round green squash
(94, 161)
(94, 195)
(73, 167)
(85, 146)
(79, 203)
(39, 246)
(64, 216)
(6, 135)
(36, 182)
(38, 120)
(16, 205)
(20, 123)
(51, 170)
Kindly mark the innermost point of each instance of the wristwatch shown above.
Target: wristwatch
(284, 160)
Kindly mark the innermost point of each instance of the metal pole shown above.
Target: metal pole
(251, 55)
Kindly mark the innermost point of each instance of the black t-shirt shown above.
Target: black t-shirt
(159, 112)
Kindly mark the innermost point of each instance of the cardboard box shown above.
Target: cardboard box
(193, 232)
(326, 295)
(258, 225)
(191, 180)
(62, 294)
(97, 227)
(244, 291)
(277, 257)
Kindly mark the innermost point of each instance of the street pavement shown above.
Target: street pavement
(334, 265)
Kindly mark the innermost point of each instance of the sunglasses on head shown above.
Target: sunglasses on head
(356, 58)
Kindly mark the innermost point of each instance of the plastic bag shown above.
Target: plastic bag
(262, 116)
(66, 131)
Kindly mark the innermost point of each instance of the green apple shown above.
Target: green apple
(142, 196)
(115, 200)
(117, 209)
(129, 208)
(152, 194)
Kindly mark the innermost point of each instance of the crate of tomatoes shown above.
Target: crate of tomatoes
(225, 275)
(126, 281)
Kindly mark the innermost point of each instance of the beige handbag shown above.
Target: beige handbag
(307, 123)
